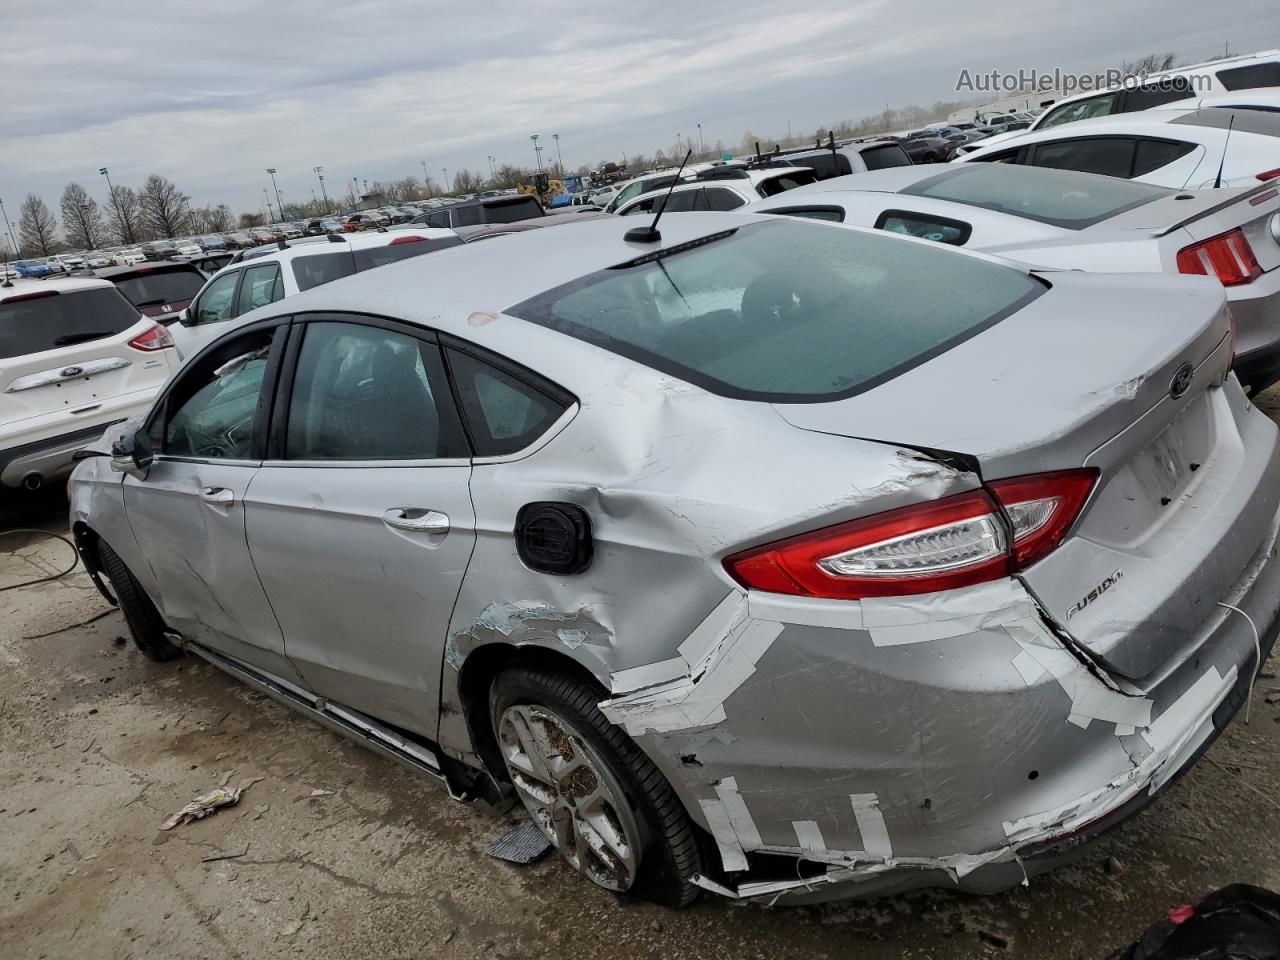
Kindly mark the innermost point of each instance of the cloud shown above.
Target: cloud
(212, 95)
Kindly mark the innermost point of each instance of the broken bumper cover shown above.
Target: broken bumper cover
(950, 740)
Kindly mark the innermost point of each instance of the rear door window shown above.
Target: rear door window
(162, 287)
(1254, 75)
(720, 198)
(1099, 106)
(1154, 154)
(890, 155)
(312, 271)
(1156, 94)
(261, 286)
(1108, 156)
(48, 320)
(787, 312)
(504, 413)
(788, 181)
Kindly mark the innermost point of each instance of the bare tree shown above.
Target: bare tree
(467, 181)
(1149, 64)
(124, 214)
(217, 219)
(81, 220)
(248, 220)
(37, 227)
(508, 177)
(162, 210)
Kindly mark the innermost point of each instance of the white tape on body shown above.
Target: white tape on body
(875, 835)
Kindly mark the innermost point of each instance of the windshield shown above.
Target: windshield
(787, 311)
(154, 289)
(49, 320)
(1063, 198)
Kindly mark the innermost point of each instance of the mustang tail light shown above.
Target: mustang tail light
(156, 338)
(1227, 256)
(954, 542)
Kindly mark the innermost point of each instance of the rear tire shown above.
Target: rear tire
(144, 619)
(659, 849)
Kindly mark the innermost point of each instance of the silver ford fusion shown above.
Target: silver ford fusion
(768, 557)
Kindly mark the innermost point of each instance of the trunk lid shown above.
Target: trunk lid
(1085, 377)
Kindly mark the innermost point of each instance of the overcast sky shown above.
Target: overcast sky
(211, 94)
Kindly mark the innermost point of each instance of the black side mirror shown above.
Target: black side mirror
(132, 454)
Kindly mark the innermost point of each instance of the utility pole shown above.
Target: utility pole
(191, 217)
(702, 147)
(319, 172)
(279, 205)
(446, 179)
(537, 150)
(559, 159)
(17, 251)
(114, 202)
(267, 200)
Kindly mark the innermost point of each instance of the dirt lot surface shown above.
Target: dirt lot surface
(337, 853)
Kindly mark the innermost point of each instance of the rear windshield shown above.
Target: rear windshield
(1063, 198)
(369, 257)
(156, 289)
(49, 321)
(1238, 121)
(786, 311)
(890, 155)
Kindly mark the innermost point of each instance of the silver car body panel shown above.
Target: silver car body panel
(888, 743)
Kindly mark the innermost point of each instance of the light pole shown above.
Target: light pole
(425, 178)
(559, 159)
(111, 191)
(12, 239)
(702, 147)
(279, 205)
(537, 150)
(446, 179)
(267, 200)
(191, 217)
(319, 172)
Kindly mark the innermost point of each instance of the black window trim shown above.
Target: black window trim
(966, 229)
(451, 419)
(261, 419)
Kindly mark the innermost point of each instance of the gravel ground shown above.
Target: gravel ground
(339, 853)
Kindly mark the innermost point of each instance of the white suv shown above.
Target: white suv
(722, 188)
(75, 357)
(274, 271)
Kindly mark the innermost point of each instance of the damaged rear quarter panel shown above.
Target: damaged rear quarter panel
(673, 478)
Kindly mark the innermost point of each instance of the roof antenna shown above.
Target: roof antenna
(1221, 163)
(650, 233)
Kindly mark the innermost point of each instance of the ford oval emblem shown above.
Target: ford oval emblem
(1181, 381)
(70, 371)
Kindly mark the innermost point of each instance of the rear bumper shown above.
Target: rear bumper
(44, 461)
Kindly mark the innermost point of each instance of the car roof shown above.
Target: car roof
(309, 246)
(137, 269)
(21, 287)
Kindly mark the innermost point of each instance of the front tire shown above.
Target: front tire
(595, 795)
(141, 614)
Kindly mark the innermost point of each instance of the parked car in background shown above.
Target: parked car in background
(927, 148)
(322, 225)
(483, 210)
(68, 262)
(491, 230)
(75, 356)
(96, 258)
(843, 159)
(265, 275)
(1076, 221)
(158, 290)
(622, 192)
(1168, 147)
(129, 256)
(159, 250)
(861, 512)
(33, 269)
(238, 240)
(261, 235)
(213, 241)
(723, 188)
(187, 248)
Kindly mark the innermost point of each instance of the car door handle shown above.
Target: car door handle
(219, 495)
(416, 520)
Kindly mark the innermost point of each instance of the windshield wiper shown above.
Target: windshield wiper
(71, 338)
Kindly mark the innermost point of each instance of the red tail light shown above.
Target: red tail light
(1269, 174)
(1227, 256)
(156, 338)
(954, 542)
(410, 239)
